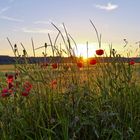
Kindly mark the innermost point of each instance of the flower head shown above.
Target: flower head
(10, 85)
(53, 83)
(92, 61)
(54, 65)
(25, 93)
(132, 62)
(79, 64)
(10, 78)
(27, 86)
(5, 92)
(100, 52)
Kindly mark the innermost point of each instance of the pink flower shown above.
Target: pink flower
(5, 90)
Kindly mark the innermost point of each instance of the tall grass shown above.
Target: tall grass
(99, 102)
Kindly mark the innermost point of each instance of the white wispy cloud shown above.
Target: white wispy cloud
(11, 19)
(108, 7)
(36, 30)
(41, 22)
(4, 9)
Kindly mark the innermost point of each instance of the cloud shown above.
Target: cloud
(4, 9)
(11, 19)
(108, 7)
(41, 22)
(48, 23)
(36, 30)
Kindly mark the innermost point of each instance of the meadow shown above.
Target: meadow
(80, 100)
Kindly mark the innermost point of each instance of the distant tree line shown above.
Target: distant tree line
(12, 60)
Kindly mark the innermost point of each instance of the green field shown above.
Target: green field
(94, 102)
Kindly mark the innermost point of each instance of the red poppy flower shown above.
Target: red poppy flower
(5, 92)
(92, 61)
(25, 93)
(132, 62)
(54, 66)
(100, 52)
(10, 78)
(53, 84)
(10, 85)
(27, 86)
(79, 64)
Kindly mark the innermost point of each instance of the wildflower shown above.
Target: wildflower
(53, 83)
(79, 64)
(10, 85)
(93, 62)
(54, 65)
(132, 62)
(100, 52)
(25, 93)
(27, 86)
(5, 92)
(10, 78)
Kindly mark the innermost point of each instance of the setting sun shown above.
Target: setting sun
(84, 52)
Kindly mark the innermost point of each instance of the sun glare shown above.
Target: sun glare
(84, 52)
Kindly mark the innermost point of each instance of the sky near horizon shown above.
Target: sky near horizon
(116, 20)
